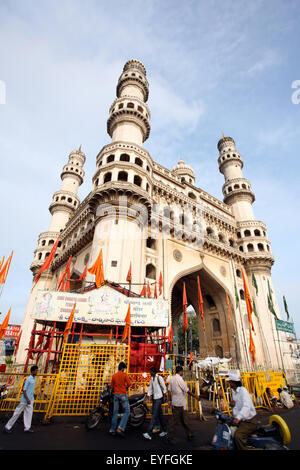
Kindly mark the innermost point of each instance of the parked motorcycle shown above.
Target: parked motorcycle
(273, 436)
(102, 413)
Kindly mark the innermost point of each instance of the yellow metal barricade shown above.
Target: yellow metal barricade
(44, 387)
(84, 370)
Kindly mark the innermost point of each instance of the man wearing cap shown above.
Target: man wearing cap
(243, 411)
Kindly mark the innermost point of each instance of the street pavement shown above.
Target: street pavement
(69, 434)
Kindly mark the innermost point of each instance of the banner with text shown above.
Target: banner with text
(103, 306)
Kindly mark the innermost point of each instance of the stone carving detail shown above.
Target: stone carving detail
(177, 255)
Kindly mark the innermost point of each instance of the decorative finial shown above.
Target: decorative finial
(79, 150)
(223, 135)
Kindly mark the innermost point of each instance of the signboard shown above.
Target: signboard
(12, 331)
(286, 326)
(103, 306)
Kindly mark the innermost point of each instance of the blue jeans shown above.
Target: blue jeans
(123, 400)
(157, 417)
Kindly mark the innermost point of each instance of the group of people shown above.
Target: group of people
(175, 396)
(285, 398)
(243, 410)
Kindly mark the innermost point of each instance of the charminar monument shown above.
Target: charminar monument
(158, 220)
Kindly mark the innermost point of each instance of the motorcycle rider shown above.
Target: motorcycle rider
(243, 411)
(120, 382)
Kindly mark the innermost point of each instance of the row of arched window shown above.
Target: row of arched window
(249, 233)
(131, 105)
(123, 176)
(250, 247)
(124, 157)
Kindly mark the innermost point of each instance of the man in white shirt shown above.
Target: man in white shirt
(285, 398)
(243, 411)
(157, 389)
(179, 390)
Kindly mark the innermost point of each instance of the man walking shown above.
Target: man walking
(120, 382)
(178, 390)
(243, 412)
(157, 389)
(26, 404)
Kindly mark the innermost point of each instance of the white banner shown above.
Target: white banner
(103, 306)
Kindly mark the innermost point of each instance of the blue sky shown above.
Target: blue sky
(213, 66)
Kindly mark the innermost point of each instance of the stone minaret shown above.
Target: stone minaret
(122, 182)
(252, 241)
(63, 205)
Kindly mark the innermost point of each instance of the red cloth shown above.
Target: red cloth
(144, 356)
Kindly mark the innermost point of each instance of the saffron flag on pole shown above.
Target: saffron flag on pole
(127, 325)
(148, 290)
(252, 347)
(129, 276)
(248, 302)
(143, 291)
(155, 290)
(63, 284)
(83, 275)
(110, 336)
(200, 303)
(191, 357)
(97, 270)
(184, 303)
(4, 324)
(68, 326)
(47, 263)
(1, 262)
(160, 283)
(228, 306)
(5, 269)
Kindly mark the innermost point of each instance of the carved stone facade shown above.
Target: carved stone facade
(138, 211)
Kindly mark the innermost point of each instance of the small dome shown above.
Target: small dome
(182, 168)
(135, 64)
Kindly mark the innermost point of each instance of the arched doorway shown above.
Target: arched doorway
(218, 337)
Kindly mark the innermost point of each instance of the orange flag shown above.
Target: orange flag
(191, 357)
(252, 348)
(160, 283)
(170, 337)
(143, 291)
(1, 262)
(64, 280)
(4, 324)
(129, 278)
(68, 327)
(200, 303)
(228, 306)
(127, 325)
(248, 302)
(148, 290)
(83, 275)
(97, 269)
(155, 291)
(17, 343)
(110, 336)
(185, 317)
(47, 263)
(5, 269)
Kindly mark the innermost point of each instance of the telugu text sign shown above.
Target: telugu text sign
(103, 306)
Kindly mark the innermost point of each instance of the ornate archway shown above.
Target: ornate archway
(218, 337)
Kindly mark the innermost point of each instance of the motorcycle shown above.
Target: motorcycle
(273, 436)
(102, 413)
